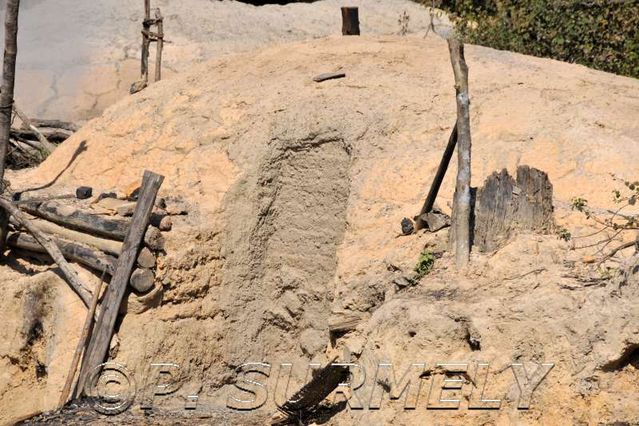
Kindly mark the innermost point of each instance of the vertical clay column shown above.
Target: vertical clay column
(350, 21)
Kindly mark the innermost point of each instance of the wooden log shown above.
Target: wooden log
(146, 259)
(438, 179)
(44, 142)
(82, 341)
(57, 135)
(461, 206)
(8, 81)
(54, 124)
(51, 248)
(159, 44)
(99, 344)
(142, 280)
(126, 209)
(350, 21)
(341, 323)
(505, 206)
(328, 76)
(71, 251)
(78, 219)
(324, 381)
(93, 224)
(107, 246)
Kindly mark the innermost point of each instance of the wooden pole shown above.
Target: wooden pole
(462, 189)
(8, 79)
(78, 219)
(92, 258)
(350, 21)
(64, 396)
(51, 248)
(101, 338)
(438, 179)
(146, 27)
(159, 21)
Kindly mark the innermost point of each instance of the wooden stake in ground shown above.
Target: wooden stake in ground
(51, 248)
(461, 208)
(350, 21)
(101, 338)
(146, 41)
(66, 391)
(159, 44)
(8, 79)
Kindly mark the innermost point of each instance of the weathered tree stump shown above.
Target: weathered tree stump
(350, 21)
(504, 206)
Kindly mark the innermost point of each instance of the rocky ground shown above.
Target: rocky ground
(296, 190)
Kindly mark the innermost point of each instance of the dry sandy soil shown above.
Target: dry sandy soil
(77, 58)
(296, 191)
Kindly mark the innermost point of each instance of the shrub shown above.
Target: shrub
(602, 34)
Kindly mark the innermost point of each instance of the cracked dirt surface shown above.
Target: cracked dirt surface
(77, 58)
(297, 190)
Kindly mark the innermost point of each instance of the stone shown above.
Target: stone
(407, 226)
(312, 342)
(83, 192)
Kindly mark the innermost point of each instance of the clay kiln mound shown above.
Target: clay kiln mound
(297, 190)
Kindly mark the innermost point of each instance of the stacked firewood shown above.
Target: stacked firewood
(34, 139)
(91, 233)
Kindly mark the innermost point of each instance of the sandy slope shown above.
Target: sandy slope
(297, 190)
(77, 58)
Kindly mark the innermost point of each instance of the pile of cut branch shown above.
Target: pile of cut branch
(32, 141)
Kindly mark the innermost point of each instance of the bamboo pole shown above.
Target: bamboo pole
(462, 188)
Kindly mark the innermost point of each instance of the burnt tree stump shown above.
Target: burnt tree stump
(505, 205)
(350, 21)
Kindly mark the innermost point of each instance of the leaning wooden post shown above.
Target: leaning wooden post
(8, 79)
(159, 44)
(86, 329)
(438, 179)
(103, 330)
(350, 21)
(462, 189)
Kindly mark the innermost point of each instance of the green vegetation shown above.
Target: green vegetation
(424, 263)
(564, 234)
(612, 223)
(602, 34)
